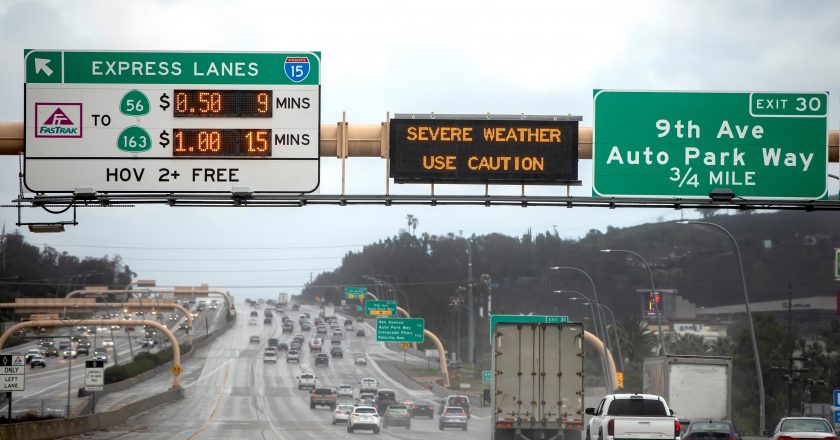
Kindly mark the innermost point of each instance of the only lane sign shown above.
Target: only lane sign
(13, 372)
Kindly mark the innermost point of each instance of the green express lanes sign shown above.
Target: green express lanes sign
(686, 144)
(484, 149)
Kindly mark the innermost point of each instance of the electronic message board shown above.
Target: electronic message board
(163, 122)
(498, 149)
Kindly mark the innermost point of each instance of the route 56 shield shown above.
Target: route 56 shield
(297, 68)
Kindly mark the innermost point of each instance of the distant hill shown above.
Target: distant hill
(697, 261)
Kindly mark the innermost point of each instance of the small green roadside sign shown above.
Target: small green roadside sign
(355, 292)
(487, 376)
(837, 264)
(400, 330)
(687, 144)
(380, 308)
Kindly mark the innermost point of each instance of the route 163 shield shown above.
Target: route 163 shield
(297, 68)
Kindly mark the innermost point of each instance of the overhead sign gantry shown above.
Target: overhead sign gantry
(200, 122)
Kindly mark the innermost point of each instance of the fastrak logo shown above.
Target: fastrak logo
(58, 120)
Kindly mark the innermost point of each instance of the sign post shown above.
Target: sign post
(163, 122)
(400, 330)
(687, 144)
(94, 380)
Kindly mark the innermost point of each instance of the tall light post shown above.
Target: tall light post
(485, 278)
(662, 347)
(759, 377)
(470, 307)
(617, 340)
(601, 332)
(595, 323)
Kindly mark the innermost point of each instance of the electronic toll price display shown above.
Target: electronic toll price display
(172, 122)
(484, 149)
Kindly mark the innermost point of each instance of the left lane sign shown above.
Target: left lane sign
(12, 372)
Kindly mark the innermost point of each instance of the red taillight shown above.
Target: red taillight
(677, 428)
(611, 427)
(504, 425)
(785, 437)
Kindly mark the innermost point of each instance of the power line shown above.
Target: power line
(232, 259)
(204, 248)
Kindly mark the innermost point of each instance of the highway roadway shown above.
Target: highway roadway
(46, 388)
(233, 394)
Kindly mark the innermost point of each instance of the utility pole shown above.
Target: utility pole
(470, 317)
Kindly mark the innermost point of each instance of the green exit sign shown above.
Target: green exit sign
(487, 376)
(837, 264)
(400, 330)
(686, 144)
(380, 308)
(355, 292)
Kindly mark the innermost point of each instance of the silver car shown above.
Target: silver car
(342, 413)
(803, 428)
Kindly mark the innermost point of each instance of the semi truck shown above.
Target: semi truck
(282, 299)
(695, 387)
(537, 378)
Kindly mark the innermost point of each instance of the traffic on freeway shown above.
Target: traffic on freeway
(65, 350)
(235, 391)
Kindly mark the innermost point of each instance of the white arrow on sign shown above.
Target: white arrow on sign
(41, 66)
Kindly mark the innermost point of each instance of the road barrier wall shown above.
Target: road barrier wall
(57, 428)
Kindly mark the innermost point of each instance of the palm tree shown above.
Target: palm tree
(412, 223)
(637, 341)
(687, 344)
(722, 346)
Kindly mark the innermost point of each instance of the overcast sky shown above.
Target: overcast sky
(534, 57)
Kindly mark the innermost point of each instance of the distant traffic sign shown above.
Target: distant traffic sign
(355, 292)
(400, 330)
(13, 372)
(836, 398)
(837, 264)
(380, 308)
(124, 121)
(499, 149)
(487, 376)
(686, 144)
(94, 375)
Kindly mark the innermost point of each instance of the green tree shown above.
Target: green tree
(687, 344)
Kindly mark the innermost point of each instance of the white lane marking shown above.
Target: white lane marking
(209, 374)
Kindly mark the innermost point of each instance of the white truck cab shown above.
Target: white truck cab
(632, 416)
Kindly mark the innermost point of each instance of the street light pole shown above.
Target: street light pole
(662, 347)
(617, 340)
(759, 377)
(601, 332)
(595, 322)
(470, 311)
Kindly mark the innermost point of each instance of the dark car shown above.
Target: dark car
(396, 415)
(267, 321)
(282, 346)
(423, 408)
(273, 342)
(337, 352)
(360, 333)
(322, 359)
(711, 430)
(51, 352)
(82, 350)
(384, 398)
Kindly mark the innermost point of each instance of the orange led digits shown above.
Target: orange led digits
(226, 142)
(222, 103)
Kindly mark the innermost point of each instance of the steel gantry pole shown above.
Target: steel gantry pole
(758, 375)
(662, 347)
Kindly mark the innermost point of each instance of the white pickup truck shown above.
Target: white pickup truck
(632, 416)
